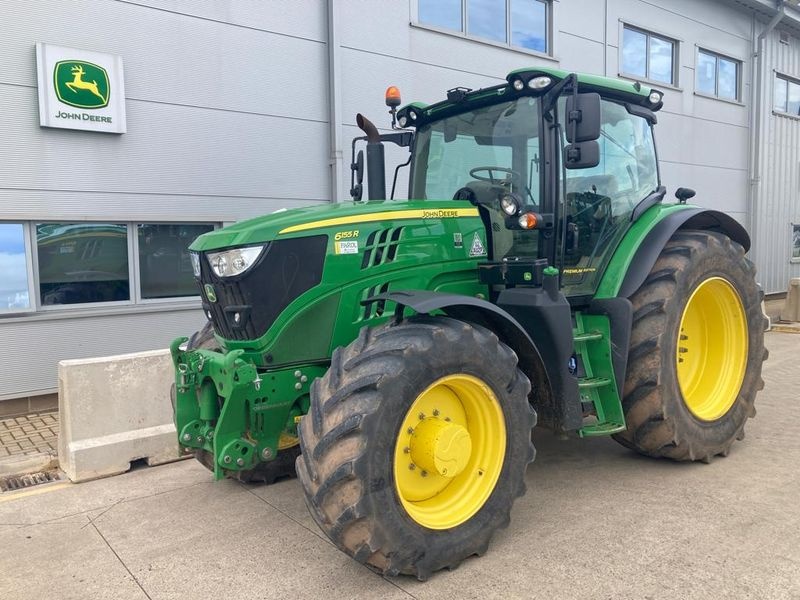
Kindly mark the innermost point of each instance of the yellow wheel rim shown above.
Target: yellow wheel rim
(711, 353)
(449, 452)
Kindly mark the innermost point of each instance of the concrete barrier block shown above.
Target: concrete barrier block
(791, 308)
(114, 410)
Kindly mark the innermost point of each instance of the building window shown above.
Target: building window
(795, 243)
(649, 56)
(14, 282)
(787, 96)
(82, 262)
(518, 23)
(717, 75)
(89, 263)
(164, 265)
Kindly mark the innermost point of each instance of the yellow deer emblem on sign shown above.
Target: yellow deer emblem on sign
(78, 83)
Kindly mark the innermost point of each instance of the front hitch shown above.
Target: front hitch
(223, 406)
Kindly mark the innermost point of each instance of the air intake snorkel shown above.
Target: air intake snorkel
(376, 170)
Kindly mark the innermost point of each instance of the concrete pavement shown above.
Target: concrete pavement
(597, 522)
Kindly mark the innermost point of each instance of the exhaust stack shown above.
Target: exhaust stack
(376, 170)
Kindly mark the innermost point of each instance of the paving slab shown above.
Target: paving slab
(65, 561)
(31, 507)
(227, 542)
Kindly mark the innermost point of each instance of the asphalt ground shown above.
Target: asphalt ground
(597, 522)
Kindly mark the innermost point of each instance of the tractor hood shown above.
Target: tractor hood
(301, 222)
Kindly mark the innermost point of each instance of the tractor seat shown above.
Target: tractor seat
(606, 185)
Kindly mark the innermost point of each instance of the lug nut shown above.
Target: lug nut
(421, 416)
(240, 462)
(298, 386)
(226, 459)
(303, 379)
(298, 373)
(266, 453)
(410, 430)
(407, 450)
(424, 473)
(412, 466)
(200, 439)
(435, 412)
(187, 437)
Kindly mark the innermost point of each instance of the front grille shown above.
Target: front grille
(286, 269)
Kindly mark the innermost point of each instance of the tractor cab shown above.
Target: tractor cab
(557, 174)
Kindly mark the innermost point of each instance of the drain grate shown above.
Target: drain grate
(19, 482)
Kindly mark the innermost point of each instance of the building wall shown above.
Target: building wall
(777, 183)
(229, 109)
(227, 119)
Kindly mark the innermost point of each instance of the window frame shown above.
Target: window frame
(78, 305)
(463, 33)
(676, 49)
(719, 55)
(789, 81)
(792, 227)
(36, 308)
(171, 299)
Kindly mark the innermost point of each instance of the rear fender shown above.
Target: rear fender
(692, 218)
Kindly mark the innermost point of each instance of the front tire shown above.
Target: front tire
(696, 352)
(416, 444)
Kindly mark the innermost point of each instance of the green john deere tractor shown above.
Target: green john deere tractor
(400, 352)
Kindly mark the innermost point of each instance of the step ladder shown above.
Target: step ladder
(598, 386)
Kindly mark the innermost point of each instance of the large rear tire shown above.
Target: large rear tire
(696, 352)
(281, 467)
(416, 444)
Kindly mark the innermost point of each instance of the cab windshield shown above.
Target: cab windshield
(484, 150)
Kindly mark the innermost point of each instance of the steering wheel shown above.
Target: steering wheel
(491, 179)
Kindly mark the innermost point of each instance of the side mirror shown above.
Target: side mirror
(357, 191)
(359, 167)
(582, 155)
(583, 118)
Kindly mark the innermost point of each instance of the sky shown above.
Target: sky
(13, 270)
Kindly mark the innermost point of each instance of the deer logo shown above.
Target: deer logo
(81, 84)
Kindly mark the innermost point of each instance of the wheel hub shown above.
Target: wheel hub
(449, 451)
(441, 447)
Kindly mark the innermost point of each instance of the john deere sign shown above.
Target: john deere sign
(79, 89)
(73, 89)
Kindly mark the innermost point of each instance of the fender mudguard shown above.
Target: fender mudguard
(692, 218)
(485, 314)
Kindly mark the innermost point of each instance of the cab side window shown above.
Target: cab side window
(599, 201)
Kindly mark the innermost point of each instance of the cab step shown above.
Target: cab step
(588, 383)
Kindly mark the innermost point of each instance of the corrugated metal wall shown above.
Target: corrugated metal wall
(228, 118)
(777, 197)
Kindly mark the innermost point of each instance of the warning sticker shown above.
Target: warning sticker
(477, 248)
(458, 241)
(349, 247)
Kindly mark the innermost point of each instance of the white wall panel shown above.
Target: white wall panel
(168, 149)
(778, 186)
(172, 58)
(32, 348)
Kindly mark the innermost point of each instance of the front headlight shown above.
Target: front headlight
(234, 262)
(195, 257)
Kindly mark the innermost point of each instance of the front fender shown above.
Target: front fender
(488, 315)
